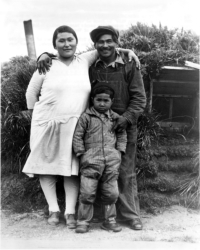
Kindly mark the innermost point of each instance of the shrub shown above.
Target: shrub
(149, 132)
(158, 46)
(16, 75)
(190, 187)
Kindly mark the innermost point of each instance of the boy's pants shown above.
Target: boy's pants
(99, 169)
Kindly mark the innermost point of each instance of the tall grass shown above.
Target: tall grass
(15, 127)
(149, 132)
(189, 189)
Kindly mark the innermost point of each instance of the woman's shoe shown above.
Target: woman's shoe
(70, 221)
(53, 218)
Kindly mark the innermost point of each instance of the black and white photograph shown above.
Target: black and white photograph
(100, 124)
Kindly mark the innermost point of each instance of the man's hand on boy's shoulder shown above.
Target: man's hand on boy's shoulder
(44, 62)
(120, 124)
(80, 154)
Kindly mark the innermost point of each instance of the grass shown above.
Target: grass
(189, 189)
(15, 127)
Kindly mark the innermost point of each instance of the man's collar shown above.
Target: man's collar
(113, 64)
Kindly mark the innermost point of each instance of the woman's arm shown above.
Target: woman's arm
(34, 89)
(44, 61)
(92, 56)
(131, 56)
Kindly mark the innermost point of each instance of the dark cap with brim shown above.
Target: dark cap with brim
(101, 30)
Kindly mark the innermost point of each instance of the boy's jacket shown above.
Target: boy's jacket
(92, 131)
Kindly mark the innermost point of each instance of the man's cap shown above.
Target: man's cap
(101, 30)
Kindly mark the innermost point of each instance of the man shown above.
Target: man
(125, 78)
(130, 100)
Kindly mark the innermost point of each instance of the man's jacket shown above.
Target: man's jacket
(126, 80)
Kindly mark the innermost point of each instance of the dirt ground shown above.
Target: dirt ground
(175, 226)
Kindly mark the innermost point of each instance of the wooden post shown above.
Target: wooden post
(150, 96)
(170, 107)
(196, 113)
(30, 39)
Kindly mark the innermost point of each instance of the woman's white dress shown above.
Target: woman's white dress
(57, 99)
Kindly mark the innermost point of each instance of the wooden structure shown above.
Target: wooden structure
(28, 28)
(175, 96)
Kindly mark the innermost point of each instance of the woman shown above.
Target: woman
(57, 100)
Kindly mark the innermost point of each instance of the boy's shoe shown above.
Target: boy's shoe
(53, 218)
(81, 229)
(111, 226)
(70, 221)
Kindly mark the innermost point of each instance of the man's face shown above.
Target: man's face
(105, 46)
(102, 102)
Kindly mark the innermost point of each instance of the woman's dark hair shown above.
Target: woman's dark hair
(102, 89)
(62, 29)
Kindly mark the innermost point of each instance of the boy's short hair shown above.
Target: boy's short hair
(102, 88)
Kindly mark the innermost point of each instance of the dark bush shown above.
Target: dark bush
(15, 128)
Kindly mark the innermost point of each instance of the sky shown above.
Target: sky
(84, 16)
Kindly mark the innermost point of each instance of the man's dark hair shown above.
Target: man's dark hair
(62, 29)
(99, 89)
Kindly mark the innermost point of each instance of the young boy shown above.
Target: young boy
(99, 149)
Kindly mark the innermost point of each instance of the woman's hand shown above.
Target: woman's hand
(132, 55)
(27, 114)
(44, 63)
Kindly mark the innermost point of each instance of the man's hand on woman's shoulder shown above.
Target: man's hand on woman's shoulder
(44, 63)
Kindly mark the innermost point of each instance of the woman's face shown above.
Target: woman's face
(66, 44)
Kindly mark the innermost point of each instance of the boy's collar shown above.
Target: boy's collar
(93, 111)
(107, 113)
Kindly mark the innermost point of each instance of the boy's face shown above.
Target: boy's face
(102, 102)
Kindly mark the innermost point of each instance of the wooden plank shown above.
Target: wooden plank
(150, 96)
(178, 96)
(191, 64)
(170, 107)
(176, 68)
(174, 124)
(175, 82)
(179, 75)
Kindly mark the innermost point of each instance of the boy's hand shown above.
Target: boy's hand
(44, 63)
(120, 124)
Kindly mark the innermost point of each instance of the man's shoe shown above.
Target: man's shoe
(81, 229)
(53, 218)
(111, 226)
(70, 221)
(136, 224)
